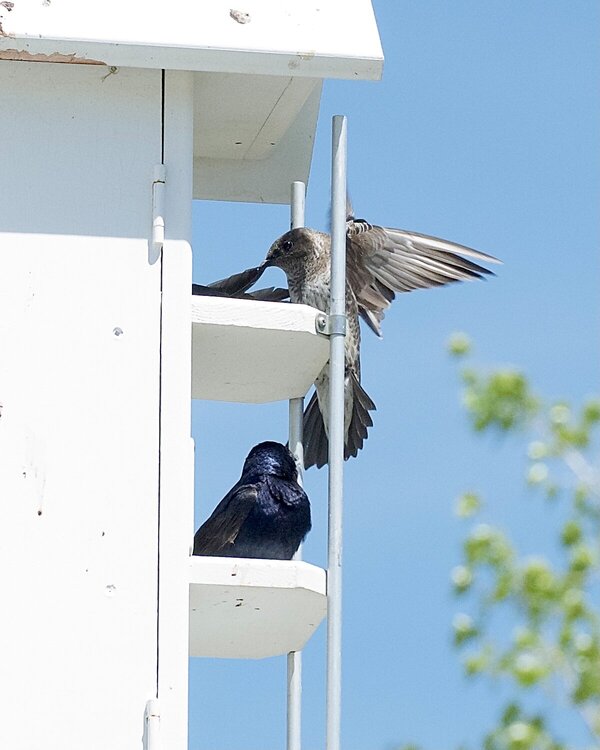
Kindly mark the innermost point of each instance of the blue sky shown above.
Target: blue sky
(484, 130)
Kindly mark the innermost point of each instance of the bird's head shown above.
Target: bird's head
(271, 458)
(292, 248)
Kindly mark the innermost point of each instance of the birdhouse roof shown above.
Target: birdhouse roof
(258, 71)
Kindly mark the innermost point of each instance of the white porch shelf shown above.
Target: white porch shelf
(251, 609)
(254, 352)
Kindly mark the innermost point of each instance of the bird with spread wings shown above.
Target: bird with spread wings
(380, 262)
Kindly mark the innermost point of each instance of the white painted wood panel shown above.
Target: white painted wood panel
(78, 480)
(257, 156)
(79, 387)
(244, 117)
(233, 155)
(251, 609)
(75, 150)
(176, 446)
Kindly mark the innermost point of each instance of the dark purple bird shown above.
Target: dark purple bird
(379, 262)
(266, 514)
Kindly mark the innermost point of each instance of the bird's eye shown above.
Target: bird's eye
(287, 245)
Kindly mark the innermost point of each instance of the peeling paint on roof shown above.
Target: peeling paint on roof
(55, 57)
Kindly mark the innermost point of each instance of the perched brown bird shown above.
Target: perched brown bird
(379, 263)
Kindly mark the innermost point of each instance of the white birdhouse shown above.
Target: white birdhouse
(114, 115)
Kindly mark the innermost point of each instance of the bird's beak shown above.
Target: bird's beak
(271, 256)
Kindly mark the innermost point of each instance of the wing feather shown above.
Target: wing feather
(316, 446)
(239, 282)
(222, 527)
(383, 261)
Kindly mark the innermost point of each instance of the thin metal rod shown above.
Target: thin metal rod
(298, 203)
(336, 434)
(294, 700)
(296, 410)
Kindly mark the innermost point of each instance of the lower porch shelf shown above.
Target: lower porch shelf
(251, 609)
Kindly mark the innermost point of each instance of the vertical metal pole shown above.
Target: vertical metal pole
(336, 431)
(298, 202)
(296, 410)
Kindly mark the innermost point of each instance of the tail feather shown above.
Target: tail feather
(361, 419)
(316, 444)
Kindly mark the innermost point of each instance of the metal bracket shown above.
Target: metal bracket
(331, 325)
(158, 212)
(151, 739)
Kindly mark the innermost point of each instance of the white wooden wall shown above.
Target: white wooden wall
(80, 426)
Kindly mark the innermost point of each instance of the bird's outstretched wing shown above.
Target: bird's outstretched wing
(221, 529)
(239, 282)
(237, 286)
(382, 261)
(268, 294)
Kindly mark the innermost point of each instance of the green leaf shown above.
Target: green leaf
(538, 473)
(591, 412)
(462, 578)
(555, 604)
(464, 628)
(525, 637)
(528, 669)
(476, 662)
(537, 449)
(459, 344)
(502, 400)
(573, 602)
(571, 533)
(582, 558)
(467, 505)
(537, 578)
